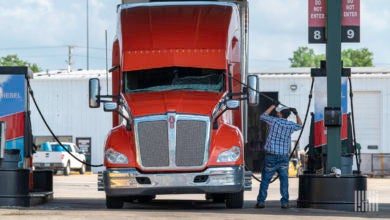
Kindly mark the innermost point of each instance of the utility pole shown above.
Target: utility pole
(69, 61)
(87, 37)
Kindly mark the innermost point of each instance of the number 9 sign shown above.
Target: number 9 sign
(350, 34)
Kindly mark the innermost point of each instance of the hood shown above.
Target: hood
(186, 102)
(174, 34)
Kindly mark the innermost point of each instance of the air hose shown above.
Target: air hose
(357, 151)
(50, 130)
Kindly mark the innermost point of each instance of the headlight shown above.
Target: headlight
(115, 157)
(230, 155)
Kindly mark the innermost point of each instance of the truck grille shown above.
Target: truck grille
(172, 141)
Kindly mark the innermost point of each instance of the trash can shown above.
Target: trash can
(14, 189)
(43, 180)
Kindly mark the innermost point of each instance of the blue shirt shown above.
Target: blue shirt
(279, 135)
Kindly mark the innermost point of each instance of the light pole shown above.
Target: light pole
(87, 38)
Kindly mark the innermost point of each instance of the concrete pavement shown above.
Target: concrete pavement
(76, 197)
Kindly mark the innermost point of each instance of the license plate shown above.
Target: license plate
(47, 165)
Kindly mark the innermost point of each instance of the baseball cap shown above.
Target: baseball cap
(279, 109)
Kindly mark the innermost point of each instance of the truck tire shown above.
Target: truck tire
(235, 200)
(67, 169)
(114, 202)
(82, 169)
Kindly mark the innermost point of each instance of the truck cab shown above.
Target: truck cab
(177, 102)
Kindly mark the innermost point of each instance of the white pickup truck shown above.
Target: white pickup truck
(58, 159)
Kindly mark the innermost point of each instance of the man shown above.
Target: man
(277, 148)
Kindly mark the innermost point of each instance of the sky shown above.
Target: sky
(42, 31)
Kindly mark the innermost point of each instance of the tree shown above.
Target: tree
(359, 57)
(305, 57)
(13, 60)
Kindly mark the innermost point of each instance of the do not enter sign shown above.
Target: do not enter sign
(350, 21)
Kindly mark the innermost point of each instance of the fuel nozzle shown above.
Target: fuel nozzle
(335, 171)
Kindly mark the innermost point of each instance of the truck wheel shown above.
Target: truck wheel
(235, 200)
(114, 202)
(82, 169)
(67, 169)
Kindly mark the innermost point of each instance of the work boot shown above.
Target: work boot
(285, 206)
(259, 206)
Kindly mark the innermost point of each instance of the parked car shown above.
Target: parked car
(55, 157)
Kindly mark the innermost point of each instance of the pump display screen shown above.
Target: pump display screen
(174, 78)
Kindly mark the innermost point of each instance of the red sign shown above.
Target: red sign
(350, 13)
(317, 21)
(317, 13)
(350, 21)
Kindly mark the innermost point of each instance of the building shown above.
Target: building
(63, 100)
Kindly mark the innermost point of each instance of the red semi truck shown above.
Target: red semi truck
(177, 102)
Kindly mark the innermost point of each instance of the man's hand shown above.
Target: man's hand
(276, 103)
(294, 111)
(299, 121)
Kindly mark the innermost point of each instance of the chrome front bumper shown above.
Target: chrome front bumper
(127, 182)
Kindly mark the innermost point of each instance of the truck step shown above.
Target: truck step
(248, 181)
(100, 183)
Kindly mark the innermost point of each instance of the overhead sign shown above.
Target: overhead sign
(317, 21)
(350, 21)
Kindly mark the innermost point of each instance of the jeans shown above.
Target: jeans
(274, 163)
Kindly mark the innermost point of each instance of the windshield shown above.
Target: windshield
(174, 78)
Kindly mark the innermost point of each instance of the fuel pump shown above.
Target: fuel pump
(20, 185)
(330, 187)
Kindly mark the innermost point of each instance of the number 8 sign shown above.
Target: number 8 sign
(317, 20)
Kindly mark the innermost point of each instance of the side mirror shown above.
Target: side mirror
(2, 138)
(94, 93)
(110, 106)
(252, 90)
(233, 104)
(113, 107)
